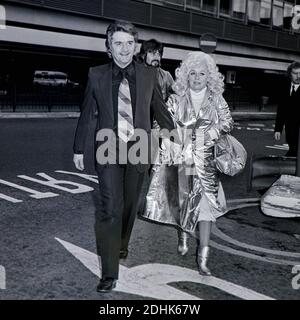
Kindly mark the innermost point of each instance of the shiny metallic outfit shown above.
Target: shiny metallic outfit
(185, 187)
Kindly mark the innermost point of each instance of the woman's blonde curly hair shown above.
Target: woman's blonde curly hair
(215, 80)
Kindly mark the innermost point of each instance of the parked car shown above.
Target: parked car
(52, 78)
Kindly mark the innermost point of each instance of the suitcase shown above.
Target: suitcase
(282, 200)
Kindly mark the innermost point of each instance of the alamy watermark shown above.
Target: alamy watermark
(185, 147)
(2, 17)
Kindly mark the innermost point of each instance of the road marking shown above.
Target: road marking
(251, 255)
(256, 125)
(151, 280)
(253, 129)
(10, 199)
(242, 203)
(2, 278)
(267, 129)
(279, 147)
(33, 193)
(88, 177)
(52, 183)
(59, 184)
(217, 232)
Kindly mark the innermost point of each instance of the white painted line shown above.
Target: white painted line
(251, 255)
(278, 147)
(88, 177)
(217, 232)
(33, 193)
(253, 129)
(10, 199)
(281, 145)
(239, 203)
(58, 184)
(267, 129)
(151, 280)
(256, 125)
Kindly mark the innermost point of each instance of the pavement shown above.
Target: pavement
(237, 115)
(36, 115)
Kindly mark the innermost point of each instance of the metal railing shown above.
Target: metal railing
(39, 99)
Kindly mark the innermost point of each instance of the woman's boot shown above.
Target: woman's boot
(182, 243)
(202, 257)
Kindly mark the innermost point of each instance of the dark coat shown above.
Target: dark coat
(288, 114)
(98, 97)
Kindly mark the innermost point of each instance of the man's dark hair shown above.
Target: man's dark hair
(293, 65)
(119, 25)
(149, 46)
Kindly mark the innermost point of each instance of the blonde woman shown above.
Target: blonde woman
(188, 193)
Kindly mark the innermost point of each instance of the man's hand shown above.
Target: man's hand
(277, 135)
(78, 161)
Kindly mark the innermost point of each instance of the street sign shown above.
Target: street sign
(208, 42)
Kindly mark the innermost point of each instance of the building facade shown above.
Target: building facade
(255, 41)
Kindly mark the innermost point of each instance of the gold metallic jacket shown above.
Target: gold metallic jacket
(185, 186)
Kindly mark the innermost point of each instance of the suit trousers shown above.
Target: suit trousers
(292, 137)
(119, 187)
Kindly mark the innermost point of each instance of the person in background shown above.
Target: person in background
(150, 54)
(288, 111)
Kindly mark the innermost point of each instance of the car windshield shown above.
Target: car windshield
(61, 76)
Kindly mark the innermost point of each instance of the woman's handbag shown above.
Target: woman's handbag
(230, 155)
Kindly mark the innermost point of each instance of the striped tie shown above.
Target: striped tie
(125, 119)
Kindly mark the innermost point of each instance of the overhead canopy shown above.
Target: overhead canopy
(234, 61)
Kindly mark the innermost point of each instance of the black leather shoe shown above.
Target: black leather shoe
(123, 253)
(106, 285)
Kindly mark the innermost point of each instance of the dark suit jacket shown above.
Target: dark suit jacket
(288, 113)
(98, 97)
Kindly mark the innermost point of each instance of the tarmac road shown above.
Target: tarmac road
(48, 246)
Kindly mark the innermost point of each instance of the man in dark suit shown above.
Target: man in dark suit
(288, 112)
(125, 94)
